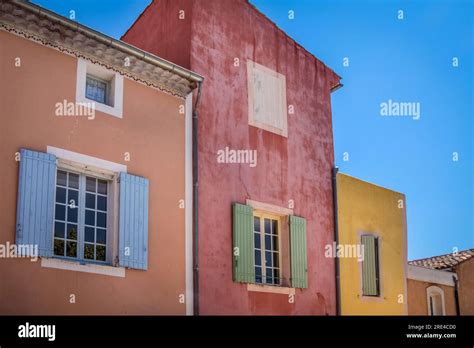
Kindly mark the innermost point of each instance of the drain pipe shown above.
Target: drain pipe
(335, 170)
(456, 294)
(195, 204)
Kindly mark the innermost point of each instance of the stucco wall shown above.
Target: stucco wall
(367, 208)
(151, 130)
(465, 272)
(296, 168)
(417, 298)
(164, 29)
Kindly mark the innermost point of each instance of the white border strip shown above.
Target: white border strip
(188, 205)
(86, 160)
(86, 268)
(430, 275)
(271, 289)
(269, 208)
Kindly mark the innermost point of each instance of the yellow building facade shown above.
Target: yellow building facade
(371, 222)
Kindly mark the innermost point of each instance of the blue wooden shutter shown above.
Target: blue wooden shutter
(133, 222)
(34, 213)
(243, 244)
(299, 262)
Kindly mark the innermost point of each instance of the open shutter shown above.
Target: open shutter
(35, 204)
(299, 262)
(243, 245)
(133, 222)
(369, 266)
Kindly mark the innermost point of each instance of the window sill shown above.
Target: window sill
(367, 298)
(105, 108)
(271, 289)
(86, 268)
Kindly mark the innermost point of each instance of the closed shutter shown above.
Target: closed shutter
(36, 183)
(243, 244)
(370, 286)
(298, 253)
(133, 222)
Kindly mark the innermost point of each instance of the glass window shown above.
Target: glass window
(65, 224)
(95, 220)
(97, 89)
(80, 231)
(435, 300)
(267, 254)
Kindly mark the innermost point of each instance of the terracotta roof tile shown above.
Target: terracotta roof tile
(444, 262)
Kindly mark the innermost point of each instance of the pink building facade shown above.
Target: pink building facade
(265, 155)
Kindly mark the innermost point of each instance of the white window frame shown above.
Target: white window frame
(93, 166)
(431, 291)
(114, 99)
(108, 85)
(262, 215)
(112, 233)
(281, 80)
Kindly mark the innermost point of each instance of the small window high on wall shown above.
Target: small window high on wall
(101, 86)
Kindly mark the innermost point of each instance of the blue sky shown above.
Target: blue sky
(408, 60)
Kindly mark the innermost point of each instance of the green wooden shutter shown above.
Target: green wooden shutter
(243, 247)
(299, 262)
(370, 266)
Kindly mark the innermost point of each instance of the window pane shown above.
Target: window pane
(73, 180)
(73, 198)
(101, 236)
(275, 260)
(267, 226)
(256, 240)
(96, 90)
(102, 187)
(268, 242)
(275, 227)
(269, 274)
(89, 234)
(59, 247)
(71, 249)
(90, 184)
(72, 232)
(268, 258)
(60, 195)
(258, 258)
(61, 178)
(258, 274)
(72, 214)
(100, 253)
(90, 217)
(256, 224)
(276, 276)
(59, 229)
(90, 201)
(60, 212)
(102, 203)
(275, 243)
(89, 251)
(101, 219)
